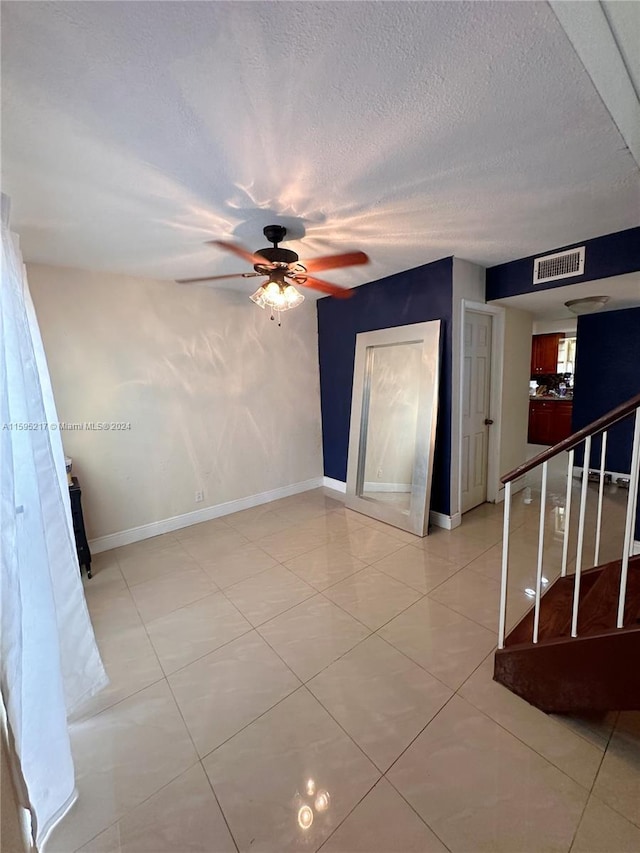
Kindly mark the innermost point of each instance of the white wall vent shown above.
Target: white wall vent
(559, 265)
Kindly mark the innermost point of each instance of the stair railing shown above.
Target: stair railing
(585, 435)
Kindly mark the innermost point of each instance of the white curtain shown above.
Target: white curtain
(49, 661)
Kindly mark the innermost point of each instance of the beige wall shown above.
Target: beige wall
(515, 389)
(218, 396)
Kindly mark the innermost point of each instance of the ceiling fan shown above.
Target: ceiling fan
(283, 270)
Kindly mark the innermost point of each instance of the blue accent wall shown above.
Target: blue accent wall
(613, 254)
(415, 296)
(607, 374)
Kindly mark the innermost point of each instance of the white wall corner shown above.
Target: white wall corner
(447, 522)
(636, 547)
(336, 485)
(177, 522)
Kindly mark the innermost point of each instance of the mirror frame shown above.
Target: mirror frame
(428, 334)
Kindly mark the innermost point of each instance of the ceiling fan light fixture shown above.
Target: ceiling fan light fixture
(258, 297)
(278, 296)
(587, 304)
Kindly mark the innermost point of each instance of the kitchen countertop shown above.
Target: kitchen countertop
(547, 399)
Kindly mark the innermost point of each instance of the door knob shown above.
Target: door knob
(488, 421)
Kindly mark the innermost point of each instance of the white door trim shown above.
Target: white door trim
(495, 396)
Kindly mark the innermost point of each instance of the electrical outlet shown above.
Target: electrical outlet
(199, 496)
(379, 473)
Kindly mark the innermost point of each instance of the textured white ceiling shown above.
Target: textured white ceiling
(624, 20)
(623, 292)
(133, 131)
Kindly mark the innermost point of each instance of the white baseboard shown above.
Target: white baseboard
(577, 472)
(636, 547)
(336, 485)
(377, 486)
(166, 525)
(448, 522)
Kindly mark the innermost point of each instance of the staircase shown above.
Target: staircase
(578, 647)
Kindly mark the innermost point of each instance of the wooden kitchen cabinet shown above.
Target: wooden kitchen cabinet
(544, 353)
(549, 421)
(561, 421)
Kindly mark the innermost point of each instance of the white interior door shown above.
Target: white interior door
(476, 387)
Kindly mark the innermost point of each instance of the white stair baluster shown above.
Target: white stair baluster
(603, 454)
(583, 509)
(567, 515)
(630, 521)
(505, 564)
(543, 508)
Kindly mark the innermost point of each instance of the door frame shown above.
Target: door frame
(495, 396)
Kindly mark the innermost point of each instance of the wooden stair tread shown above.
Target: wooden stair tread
(599, 609)
(599, 588)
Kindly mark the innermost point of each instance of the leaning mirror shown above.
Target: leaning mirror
(394, 408)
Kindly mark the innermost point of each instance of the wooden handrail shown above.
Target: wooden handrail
(619, 413)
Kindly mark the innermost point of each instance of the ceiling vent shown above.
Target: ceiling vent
(559, 265)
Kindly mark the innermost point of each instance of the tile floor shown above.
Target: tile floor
(301, 677)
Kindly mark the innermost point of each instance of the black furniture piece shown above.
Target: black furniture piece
(82, 546)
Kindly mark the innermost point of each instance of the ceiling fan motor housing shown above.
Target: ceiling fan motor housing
(274, 233)
(273, 255)
(277, 256)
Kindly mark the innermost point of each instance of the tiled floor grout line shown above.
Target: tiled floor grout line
(188, 731)
(129, 811)
(456, 693)
(368, 627)
(317, 592)
(305, 685)
(84, 719)
(558, 719)
(255, 719)
(313, 697)
(430, 828)
(593, 783)
(329, 542)
(245, 633)
(513, 735)
(249, 630)
(224, 817)
(409, 745)
(195, 749)
(349, 813)
(533, 749)
(305, 682)
(415, 662)
(591, 792)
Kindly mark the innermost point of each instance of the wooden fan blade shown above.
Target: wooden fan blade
(240, 251)
(217, 277)
(328, 262)
(325, 287)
